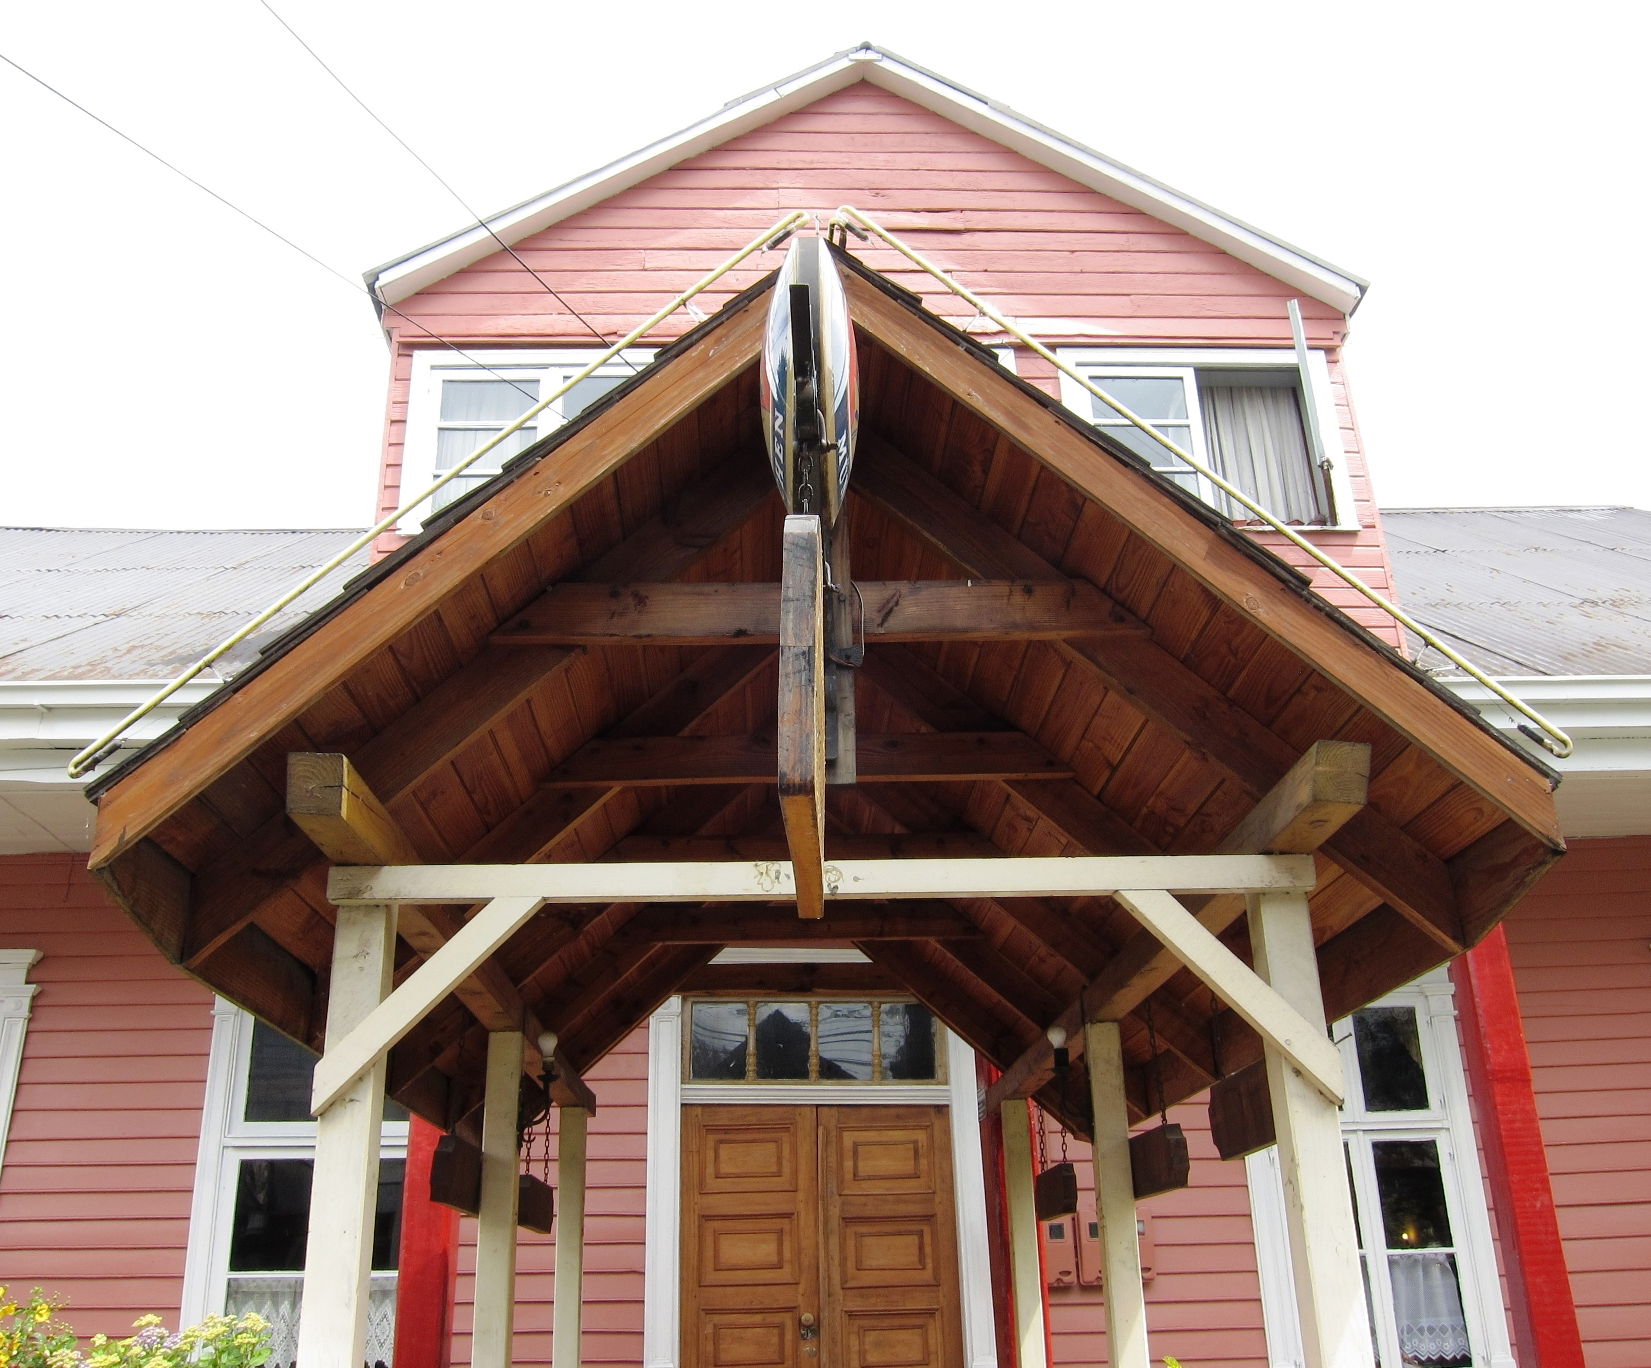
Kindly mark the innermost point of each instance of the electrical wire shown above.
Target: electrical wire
(440, 180)
(279, 236)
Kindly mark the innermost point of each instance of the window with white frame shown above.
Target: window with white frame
(1424, 1234)
(1250, 415)
(456, 403)
(16, 998)
(250, 1218)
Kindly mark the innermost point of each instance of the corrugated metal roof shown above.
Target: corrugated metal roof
(112, 604)
(1528, 591)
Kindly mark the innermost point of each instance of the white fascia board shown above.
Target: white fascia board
(407, 275)
(1607, 716)
(71, 713)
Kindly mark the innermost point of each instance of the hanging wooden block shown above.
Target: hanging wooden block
(1055, 1192)
(1241, 1113)
(1158, 1160)
(456, 1175)
(535, 1204)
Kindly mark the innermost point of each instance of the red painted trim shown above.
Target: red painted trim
(429, 1261)
(1543, 1308)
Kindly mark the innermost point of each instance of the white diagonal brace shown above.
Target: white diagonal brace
(1240, 987)
(772, 880)
(433, 980)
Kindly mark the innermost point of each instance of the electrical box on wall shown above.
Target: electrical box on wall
(1089, 1250)
(1060, 1260)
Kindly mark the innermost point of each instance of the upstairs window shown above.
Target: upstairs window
(1243, 414)
(821, 1041)
(456, 404)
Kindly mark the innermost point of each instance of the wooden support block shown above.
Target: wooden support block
(1241, 1113)
(456, 1175)
(802, 708)
(1055, 1192)
(535, 1204)
(843, 625)
(1158, 1160)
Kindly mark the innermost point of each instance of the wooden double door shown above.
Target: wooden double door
(819, 1237)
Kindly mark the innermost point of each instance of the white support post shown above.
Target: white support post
(1026, 1269)
(1126, 1306)
(566, 1348)
(495, 1303)
(332, 1330)
(1318, 1208)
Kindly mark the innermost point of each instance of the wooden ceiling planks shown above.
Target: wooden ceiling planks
(1170, 736)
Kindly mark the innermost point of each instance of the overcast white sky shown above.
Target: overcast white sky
(166, 364)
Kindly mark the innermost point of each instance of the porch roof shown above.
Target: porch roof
(495, 732)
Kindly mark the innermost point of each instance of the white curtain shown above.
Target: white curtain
(1255, 435)
(1427, 1303)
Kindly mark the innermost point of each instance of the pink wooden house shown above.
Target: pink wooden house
(157, 1148)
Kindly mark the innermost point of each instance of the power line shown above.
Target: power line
(440, 180)
(259, 223)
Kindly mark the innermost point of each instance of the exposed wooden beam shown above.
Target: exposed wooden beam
(132, 807)
(743, 980)
(801, 715)
(331, 803)
(719, 614)
(1325, 786)
(996, 1037)
(672, 925)
(619, 1014)
(1216, 561)
(923, 846)
(655, 761)
(1372, 848)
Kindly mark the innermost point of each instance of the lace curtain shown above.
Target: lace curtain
(277, 1297)
(1427, 1303)
(1255, 435)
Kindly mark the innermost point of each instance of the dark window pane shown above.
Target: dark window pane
(717, 1041)
(278, 1081)
(1412, 1194)
(908, 1041)
(782, 1040)
(845, 1041)
(272, 1215)
(1390, 1059)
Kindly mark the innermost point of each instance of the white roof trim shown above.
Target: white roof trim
(407, 275)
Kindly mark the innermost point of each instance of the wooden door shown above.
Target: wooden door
(818, 1236)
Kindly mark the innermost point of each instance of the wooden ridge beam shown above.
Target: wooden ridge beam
(1215, 560)
(902, 758)
(675, 925)
(1371, 847)
(721, 614)
(145, 797)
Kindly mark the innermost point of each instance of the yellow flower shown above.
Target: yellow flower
(144, 1322)
(9, 1309)
(42, 1312)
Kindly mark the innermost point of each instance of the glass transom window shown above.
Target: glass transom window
(823, 1041)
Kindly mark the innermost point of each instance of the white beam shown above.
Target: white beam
(566, 1350)
(495, 1300)
(1126, 1306)
(1318, 1208)
(773, 881)
(1025, 1267)
(332, 1330)
(371, 1037)
(1305, 1045)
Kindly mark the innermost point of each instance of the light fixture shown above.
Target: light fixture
(1057, 1040)
(547, 1043)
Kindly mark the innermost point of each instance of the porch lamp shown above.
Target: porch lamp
(1057, 1041)
(547, 1048)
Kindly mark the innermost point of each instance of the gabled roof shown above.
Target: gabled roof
(495, 733)
(406, 275)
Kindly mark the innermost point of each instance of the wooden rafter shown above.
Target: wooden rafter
(801, 711)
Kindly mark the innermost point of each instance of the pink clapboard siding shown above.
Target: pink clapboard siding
(96, 1179)
(615, 1203)
(1073, 265)
(1204, 1305)
(1581, 950)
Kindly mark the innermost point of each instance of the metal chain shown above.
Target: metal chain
(1043, 1139)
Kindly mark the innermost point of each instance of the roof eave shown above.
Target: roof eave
(407, 275)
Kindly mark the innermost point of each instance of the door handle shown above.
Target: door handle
(807, 1330)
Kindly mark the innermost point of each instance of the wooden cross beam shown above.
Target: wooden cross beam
(802, 700)
(331, 803)
(707, 614)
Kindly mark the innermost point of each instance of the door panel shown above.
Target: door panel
(842, 1214)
